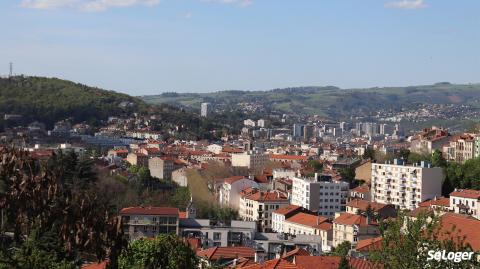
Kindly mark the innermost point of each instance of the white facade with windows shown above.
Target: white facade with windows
(324, 197)
(405, 186)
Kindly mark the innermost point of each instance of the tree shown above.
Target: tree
(406, 242)
(166, 251)
(342, 249)
(369, 154)
(348, 174)
(344, 263)
(438, 160)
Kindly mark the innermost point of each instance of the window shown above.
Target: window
(217, 236)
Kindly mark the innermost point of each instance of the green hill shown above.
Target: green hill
(330, 101)
(50, 99)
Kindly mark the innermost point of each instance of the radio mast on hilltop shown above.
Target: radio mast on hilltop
(11, 70)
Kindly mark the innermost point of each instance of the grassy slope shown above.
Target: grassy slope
(330, 100)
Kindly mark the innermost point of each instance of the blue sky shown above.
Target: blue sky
(151, 46)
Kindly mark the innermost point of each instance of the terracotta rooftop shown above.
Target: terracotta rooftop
(307, 219)
(288, 157)
(213, 254)
(273, 264)
(287, 210)
(442, 201)
(368, 244)
(296, 252)
(461, 228)
(101, 265)
(233, 179)
(262, 196)
(466, 193)
(363, 205)
(170, 211)
(361, 189)
(351, 219)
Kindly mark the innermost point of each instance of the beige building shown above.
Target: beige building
(148, 222)
(460, 148)
(405, 186)
(161, 168)
(352, 228)
(253, 160)
(138, 159)
(428, 140)
(465, 202)
(258, 206)
(231, 188)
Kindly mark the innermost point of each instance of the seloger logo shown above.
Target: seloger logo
(449, 256)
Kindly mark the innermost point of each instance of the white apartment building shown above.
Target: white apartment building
(253, 160)
(405, 185)
(258, 206)
(465, 202)
(205, 110)
(323, 197)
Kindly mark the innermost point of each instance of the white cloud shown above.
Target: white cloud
(85, 5)
(407, 4)
(240, 3)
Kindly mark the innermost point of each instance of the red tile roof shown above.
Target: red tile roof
(273, 264)
(369, 244)
(307, 219)
(442, 201)
(287, 210)
(361, 189)
(466, 193)
(101, 265)
(323, 262)
(213, 254)
(233, 179)
(363, 205)
(288, 157)
(296, 252)
(460, 228)
(170, 211)
(261, 196)
(351, 219)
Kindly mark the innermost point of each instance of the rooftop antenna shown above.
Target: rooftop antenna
(11, 70)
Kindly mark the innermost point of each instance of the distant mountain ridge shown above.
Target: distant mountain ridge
(329, 101)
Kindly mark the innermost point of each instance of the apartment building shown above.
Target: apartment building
(280, 215)
(253, 160)
(464, 201)
(324, 196)
(256, 205)
(377, 210)
(405, 186)
(303, 223)
(428, 140)
(138, 159)
(148, 222)
(161, 167)
(352, 228)
(460, 148)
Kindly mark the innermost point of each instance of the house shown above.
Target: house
(353, 228)
(148, 222)
(179, 176)
(256, 205)
(138, 159)
(429, 140)
(255, 161)
(378, 210)
(361, 192)
(460, 148)
(281, 214)
(465, 201)
(230, 189)
(303, 223)
(221, 255)
(161, 167)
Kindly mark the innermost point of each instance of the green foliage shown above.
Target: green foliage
(163, 252)
(344, 263)
(369, 154)
(438, 160)
(316, 165)
(348, 174)
(342, 249)
(180, 198)
(406, 243)
(49, 100)
(54, 211)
